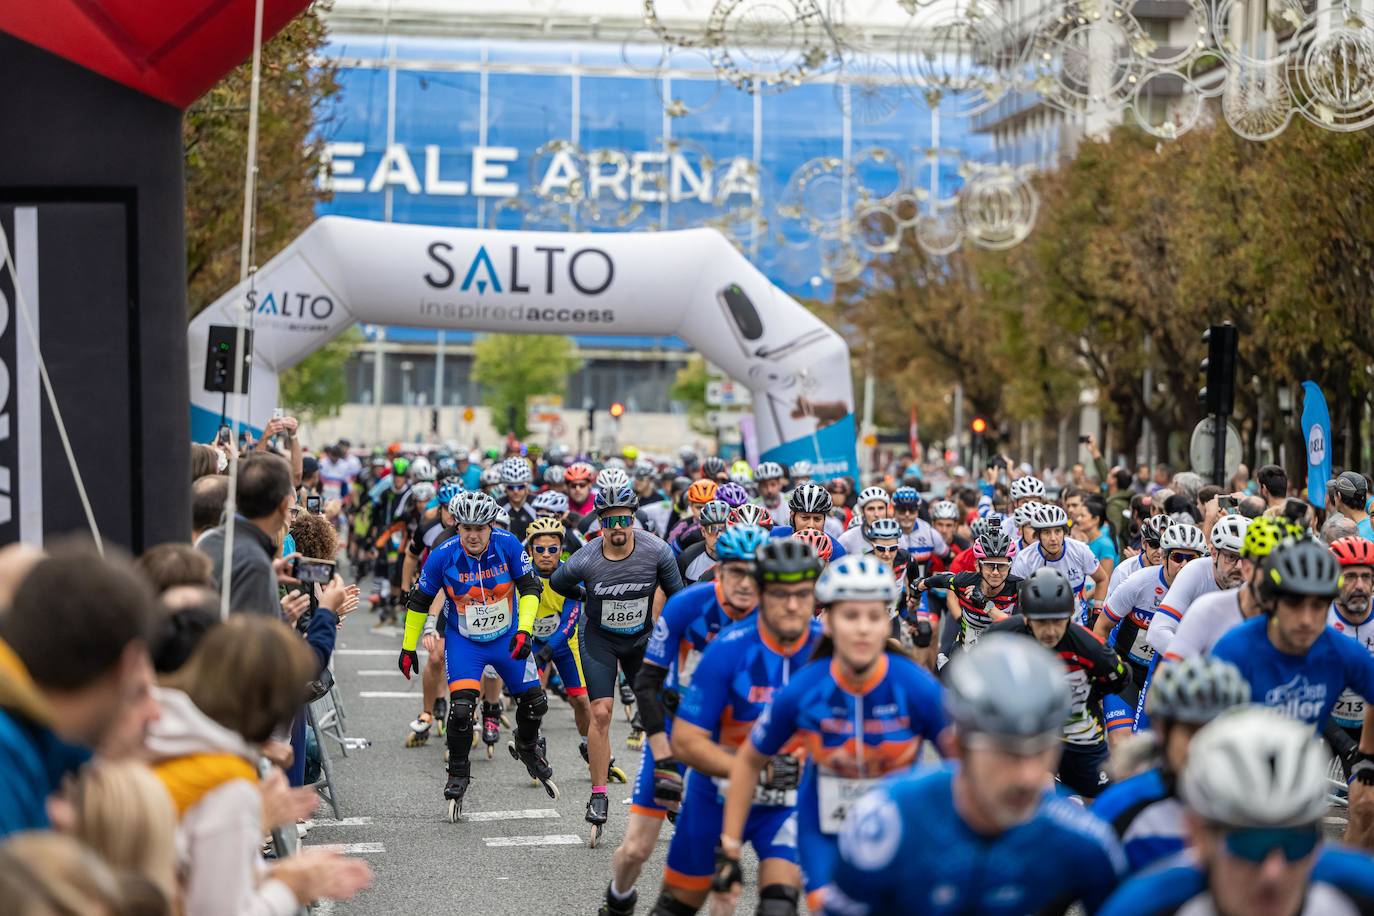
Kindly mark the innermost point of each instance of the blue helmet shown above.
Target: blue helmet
(448, 489)
(906, 496)
(740, 543)
(620, 496)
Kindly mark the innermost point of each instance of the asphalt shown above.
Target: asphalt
(394, 814)
(516, 852)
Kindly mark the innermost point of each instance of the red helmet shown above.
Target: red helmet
(581, 472)
(819, 541)
(1353, 551)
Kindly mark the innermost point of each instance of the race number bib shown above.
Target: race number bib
(1349, 709)
(624, 615)
(544, 627)
(836, 796)
(487, 621)
(776, 798)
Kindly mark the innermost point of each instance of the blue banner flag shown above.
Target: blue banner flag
(1316, 431)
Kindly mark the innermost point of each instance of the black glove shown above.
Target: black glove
(544, 656)
(409, 662)
(727, 875)
(667, 784)
(519, 645)
(923, 633)
(782, 773)
(1362, 770)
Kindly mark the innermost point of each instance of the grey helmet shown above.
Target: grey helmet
(716, 512)
(944, 509)
(882, 529)
(1009, 688)
(474, 507)
(769, 470)
(1027, 487)
(1196, 690)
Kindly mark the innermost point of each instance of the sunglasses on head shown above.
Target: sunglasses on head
(1255, 846)
(546, 548)
(617, 521)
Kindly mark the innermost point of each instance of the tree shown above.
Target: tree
(689, 390)
(315, 387)
(512, 368)
(296, 80)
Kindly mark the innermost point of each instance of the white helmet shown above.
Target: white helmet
(516, 471)
(473, 508)
(856, 578)
(1183, 537)
(874, 495)
(1027, 487)
(502, 519)
(1229, 532)
(422, 491)
(550, 501)
(491, 477)
(944, 509)
(612, 479)
(800, 470)
(1048, 515)
(769, 470)
(421, 469)
(1254, 767)
(1021, 516)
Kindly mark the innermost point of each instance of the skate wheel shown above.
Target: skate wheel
(474, 739)
(551, 787)
(629, 713)
(491, 751)
(617, 775)
(505, 723)
(595, 837)
(455, 810)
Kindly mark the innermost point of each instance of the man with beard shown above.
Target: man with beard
(1203, 576)
(1350, 616)
(988, 836)
(619, 576)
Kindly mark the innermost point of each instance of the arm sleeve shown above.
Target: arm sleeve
(1164, 623)
(1119, 603)
(647, 686)
(941, 581)
(567, 578)
(567, 624)
(669, 578)
(320, 635)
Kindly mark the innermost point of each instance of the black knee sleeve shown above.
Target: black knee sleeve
(778, 900)
(668, 905)
(529, 710)
(461, 704)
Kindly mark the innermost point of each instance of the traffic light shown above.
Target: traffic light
(220, 348)
(617, 410)
(979, 426)
(1219, 369)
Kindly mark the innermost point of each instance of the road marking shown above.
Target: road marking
(391, 695)
(553, 839)
(351, 849)
(345, 822)
(1335, 819)
(528, 814)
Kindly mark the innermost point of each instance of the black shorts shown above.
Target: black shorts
(601, 654)
(1083, 769)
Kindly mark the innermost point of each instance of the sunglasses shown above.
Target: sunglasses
(515, 486)
(578, 486)
(1182, 556)
(1255, 846)
(617, 521)
(907, 508)
(712, 529)
(892, 549)
(993, 566)
(545, 549)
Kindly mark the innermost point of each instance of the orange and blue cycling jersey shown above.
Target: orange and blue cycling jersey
(853, 734)
(480, 592)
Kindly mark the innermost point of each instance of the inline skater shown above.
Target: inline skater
(736, 678)
(383, 538)
(1254, 791)
(1054, 548)
(1351, 616)
(890, 705)
(699, 557)
(516, 477)
(981, 598)
(874, 503)
(1144, 810)
(492, 597)
(1128, 611)
(553, 504)
(1201, 577)
(690, 619)
(581, 499)
(434, 532)
(810, 506)
(699, 494)
(986, 836)
(768, 477)
(1093, 672)
(619, 577)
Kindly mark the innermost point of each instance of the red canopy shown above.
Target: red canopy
(173, 50)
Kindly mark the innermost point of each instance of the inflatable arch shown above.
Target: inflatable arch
(690, 283)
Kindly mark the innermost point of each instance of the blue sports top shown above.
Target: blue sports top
(481, 592)
(689, 620)
(905, 849)
(1303, 687)
(1147, 815)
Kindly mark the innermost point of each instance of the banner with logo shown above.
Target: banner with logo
(691, 284)
(1316, 430)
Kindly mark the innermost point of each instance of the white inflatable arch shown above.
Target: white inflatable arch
(692, 284)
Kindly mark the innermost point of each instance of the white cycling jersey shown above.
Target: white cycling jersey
(1077, 562)
(1349, 709)
(1122, 571)
(1137, 600)
(1208, 619)
(1195, 579)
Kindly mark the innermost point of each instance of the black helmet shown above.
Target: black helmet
(1009, 688)
(713, 466)
(1046, 595)
(786, 560)
(1300, 568)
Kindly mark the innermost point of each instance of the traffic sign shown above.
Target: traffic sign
(727, 393)
(1201, 446)
(468, 414)
(722, 419)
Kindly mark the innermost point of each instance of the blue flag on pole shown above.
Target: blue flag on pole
(1316, 430)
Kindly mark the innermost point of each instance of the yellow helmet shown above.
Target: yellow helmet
(630, 453)
(542, 526)
(1264, 534)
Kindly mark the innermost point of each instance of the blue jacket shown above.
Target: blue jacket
(33, 760)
